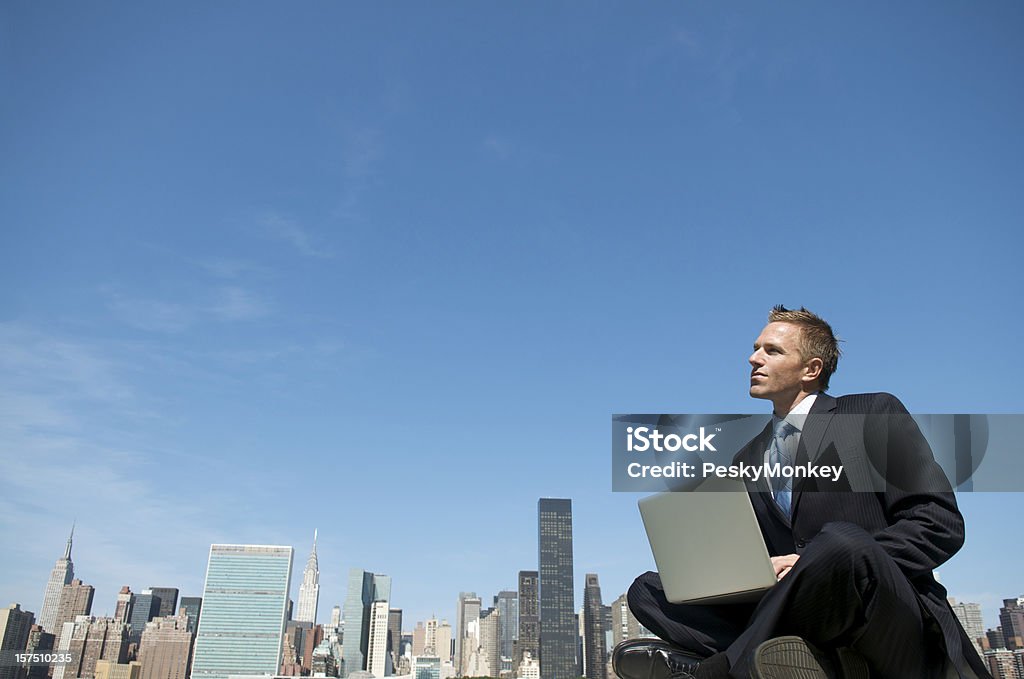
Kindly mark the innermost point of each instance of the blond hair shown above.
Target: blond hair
(816, 339)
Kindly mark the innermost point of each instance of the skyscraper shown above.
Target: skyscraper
(433, 640)
(309, 590)
(1011, 619)
(419, 639)
(467, 614)
(356, 620)
(75, 600)
(507, 603)
(165, 648)
(292, 647)
(606, 615)
(62, 574)
(593, 629)
(970, 618)
(15, 625)
(378, 661)
(168, 601)
(624, 623)
(395, 635)
(364, 589)
(557, 617)
(1002, 664)
(529, 619)
(91, 639)
(490, 648)
(581, 643)
(39, 641)
(995, 638)
(443, 642)
(193, 606)
(145, 607)
(243, 616)
(123, 609)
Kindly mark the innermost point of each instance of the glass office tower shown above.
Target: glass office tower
(244, 604)
(364, 590)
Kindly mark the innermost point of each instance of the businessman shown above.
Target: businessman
(855, 592)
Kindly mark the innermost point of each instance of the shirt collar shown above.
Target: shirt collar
(799, 412)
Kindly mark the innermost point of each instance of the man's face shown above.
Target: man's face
(776, 364)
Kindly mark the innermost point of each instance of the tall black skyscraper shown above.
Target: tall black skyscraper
(558, 630)
(145, 607)
(168, 600)
(529, 618)
(593, 628)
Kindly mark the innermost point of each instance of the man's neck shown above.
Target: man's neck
(783, 406)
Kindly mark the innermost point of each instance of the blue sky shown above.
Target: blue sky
(387, 270)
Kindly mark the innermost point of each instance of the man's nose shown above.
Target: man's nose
(755, 359)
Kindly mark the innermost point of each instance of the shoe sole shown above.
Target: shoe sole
(656, 669)
(853, 664)
(789, 658)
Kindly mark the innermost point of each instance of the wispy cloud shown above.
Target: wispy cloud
(288, 230)
(224, 304)
(319, 353)
(226, 268)
(151, 314)
(238, 304)
(32, 363)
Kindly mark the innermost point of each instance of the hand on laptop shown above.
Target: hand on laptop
(783, 564)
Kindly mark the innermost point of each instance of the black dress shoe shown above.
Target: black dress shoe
(652, 659)
(795, 658)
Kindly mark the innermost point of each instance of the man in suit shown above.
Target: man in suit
(853, 559)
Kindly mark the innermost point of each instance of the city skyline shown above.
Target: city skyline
(99, 608)
(392, 262)
(256, 578)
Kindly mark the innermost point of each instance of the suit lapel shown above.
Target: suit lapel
(753, 456)
(811, 436)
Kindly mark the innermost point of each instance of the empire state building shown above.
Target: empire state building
(63, 573)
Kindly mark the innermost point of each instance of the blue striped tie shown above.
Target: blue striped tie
(779, 453)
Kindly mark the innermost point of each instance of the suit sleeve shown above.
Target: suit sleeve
(925, 527)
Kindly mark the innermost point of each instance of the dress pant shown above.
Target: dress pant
(843, 591)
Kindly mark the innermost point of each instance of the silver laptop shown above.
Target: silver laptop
(707, 545)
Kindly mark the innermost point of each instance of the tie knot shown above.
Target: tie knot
(785, 429)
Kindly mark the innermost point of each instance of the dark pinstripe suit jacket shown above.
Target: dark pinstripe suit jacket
(902, 498)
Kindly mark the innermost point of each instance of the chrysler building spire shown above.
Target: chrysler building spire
(309, 590)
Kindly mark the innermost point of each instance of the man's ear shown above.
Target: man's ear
(812, 369)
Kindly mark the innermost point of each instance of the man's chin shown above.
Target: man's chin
(757, 393)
